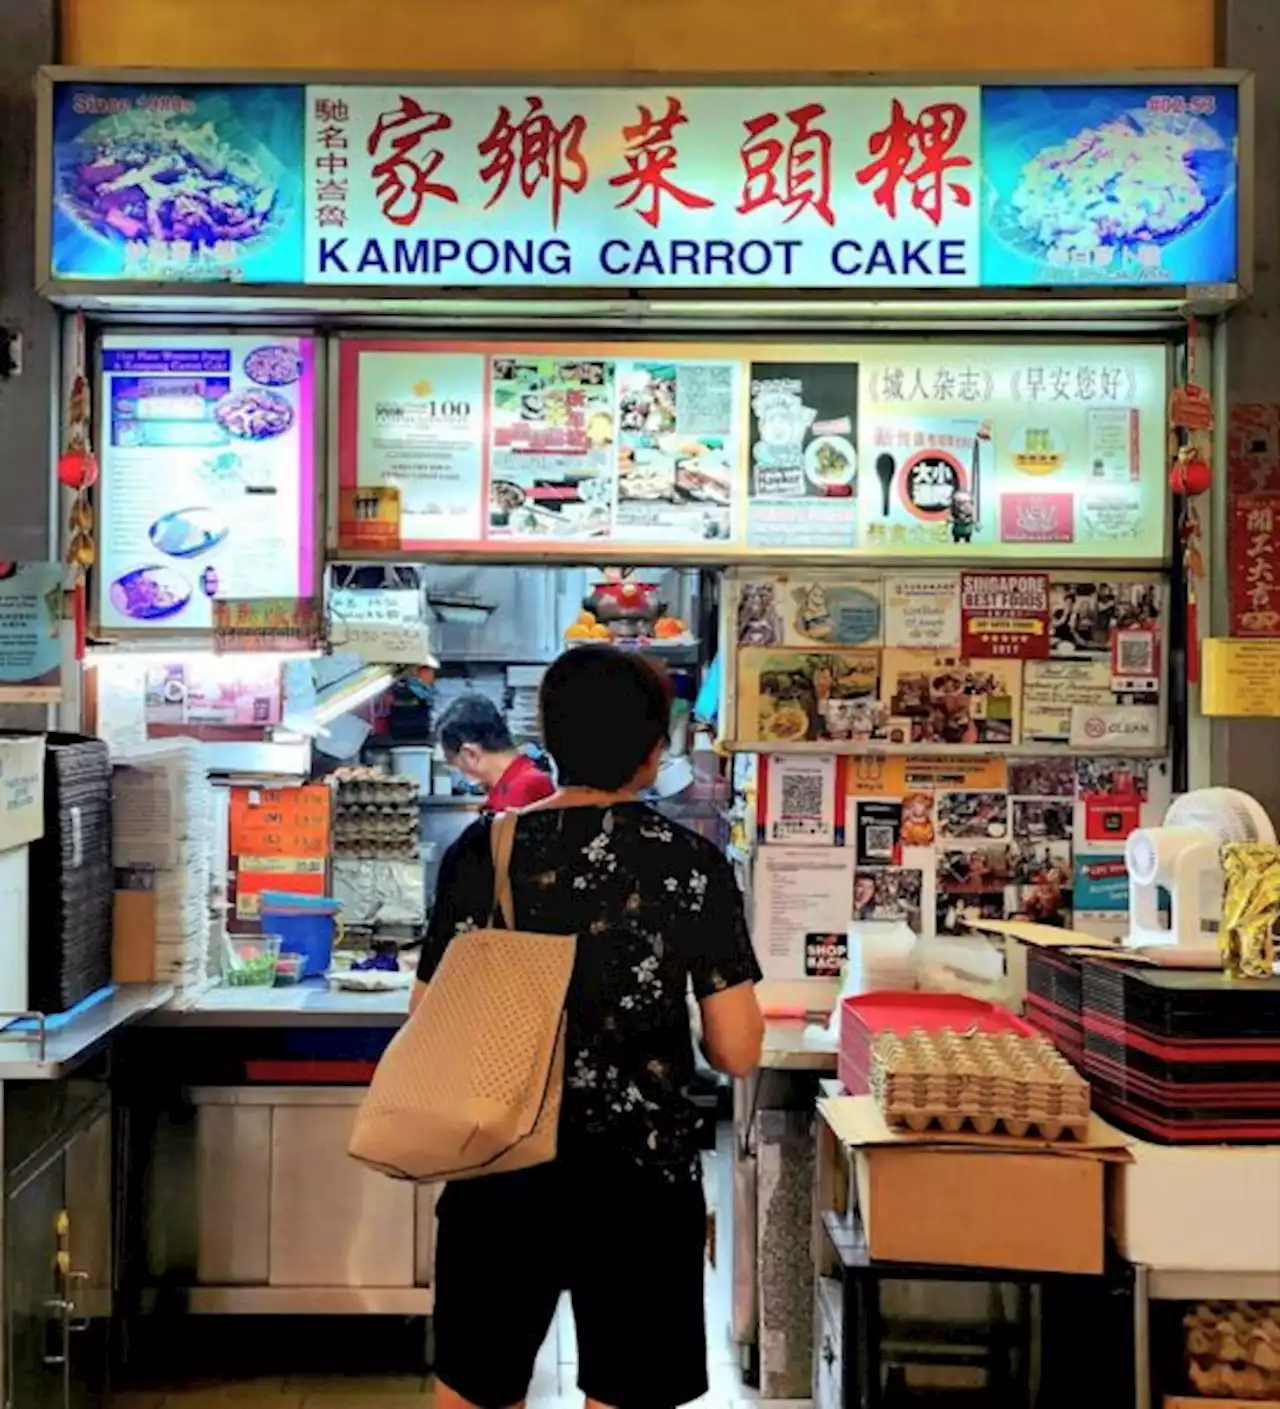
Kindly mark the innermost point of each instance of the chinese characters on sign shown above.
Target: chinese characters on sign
(578, 186)
(812, 187)
(1254, 554)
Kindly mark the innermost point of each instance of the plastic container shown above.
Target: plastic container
(289, 969)
(307, 924)
(251, 961)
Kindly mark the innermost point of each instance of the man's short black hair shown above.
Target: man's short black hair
(473, 719)
(604, 711)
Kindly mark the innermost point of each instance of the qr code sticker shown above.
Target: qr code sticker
(802, 797)
(1135, 654)
(877, 840)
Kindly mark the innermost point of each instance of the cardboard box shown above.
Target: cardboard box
(977, 1201)
(15, 870)
(133, 937)
(21, 790)
(1213, 1208)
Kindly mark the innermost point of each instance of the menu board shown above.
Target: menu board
(208, 476)
(966, 451)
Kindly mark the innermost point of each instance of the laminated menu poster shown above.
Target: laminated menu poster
(208, 476)
(831, 609)
(31, 633)
(679, 451)
(1056, 448)
(927, 483)
(936, 698)
(795, 696)
(803, 468)
(419, 428)
(552, 446)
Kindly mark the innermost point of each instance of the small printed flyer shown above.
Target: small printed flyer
(922, 611)
(1052, 688)
(1004, 615)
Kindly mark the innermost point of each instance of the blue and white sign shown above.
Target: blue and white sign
(665, 186)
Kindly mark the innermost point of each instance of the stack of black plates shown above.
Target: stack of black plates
(71, 876)
(1053, 1000)
(1182, 1057)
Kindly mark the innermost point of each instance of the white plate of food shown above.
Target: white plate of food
(830, 461)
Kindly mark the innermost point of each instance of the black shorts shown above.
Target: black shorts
(626, 1244)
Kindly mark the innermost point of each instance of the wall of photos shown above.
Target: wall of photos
(935, 746)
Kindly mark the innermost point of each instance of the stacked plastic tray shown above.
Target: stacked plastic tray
(864, 1018)
(1054, 997)
(71, 876)
(1183, 1057)
(986, 1082)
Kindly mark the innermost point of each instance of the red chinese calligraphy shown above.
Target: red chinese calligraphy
(805, 180)
(651, 160)
(920, 152)
(1254, 560)
(538, 151)
(403, 183)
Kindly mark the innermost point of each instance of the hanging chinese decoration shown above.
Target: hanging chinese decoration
(1191, 428)
(78, 472)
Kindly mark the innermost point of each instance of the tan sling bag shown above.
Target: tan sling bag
(472, 1084)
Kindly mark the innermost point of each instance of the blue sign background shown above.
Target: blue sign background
(137, 168)
(1020, 124)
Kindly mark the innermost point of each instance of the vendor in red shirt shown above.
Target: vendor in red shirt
(477, 742)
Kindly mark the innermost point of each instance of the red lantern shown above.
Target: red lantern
(1190, 476)
(77, 469)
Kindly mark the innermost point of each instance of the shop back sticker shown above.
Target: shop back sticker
(825, 955)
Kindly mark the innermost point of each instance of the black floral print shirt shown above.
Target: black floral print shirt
(655, 909)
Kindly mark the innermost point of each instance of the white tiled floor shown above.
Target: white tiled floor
(555, 1379)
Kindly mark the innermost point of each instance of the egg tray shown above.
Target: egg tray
(1221, 1381)
(1236, 1333)
(985, 1082)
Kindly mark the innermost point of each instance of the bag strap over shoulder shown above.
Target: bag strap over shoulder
(502, 840)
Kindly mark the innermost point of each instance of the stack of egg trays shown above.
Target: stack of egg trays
(71, 876)
(986, 1082)
(1233, 1349)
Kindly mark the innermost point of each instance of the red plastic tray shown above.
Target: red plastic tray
(864, 1018)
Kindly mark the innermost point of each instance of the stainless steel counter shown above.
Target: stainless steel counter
(26, 1055)
(787, 1047)
(302, 1005)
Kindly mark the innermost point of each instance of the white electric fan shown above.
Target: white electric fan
(1182, 859)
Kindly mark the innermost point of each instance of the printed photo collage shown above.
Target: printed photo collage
(988, 659)
(938, 841)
